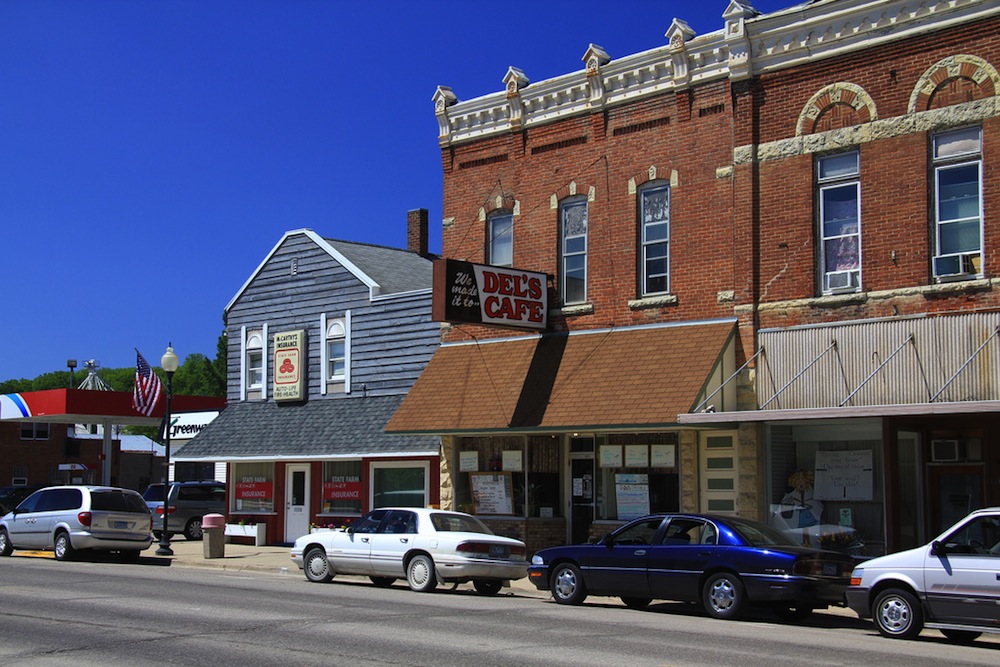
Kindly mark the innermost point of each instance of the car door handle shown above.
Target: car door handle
(704, 554)
(364, 539)
(404, 540)
(639, 552)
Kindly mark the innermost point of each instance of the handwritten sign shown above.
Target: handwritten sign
(632, 496)
(492, 493)
(843, 475)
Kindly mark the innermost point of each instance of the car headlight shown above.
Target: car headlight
(537, 560)
(856, 576)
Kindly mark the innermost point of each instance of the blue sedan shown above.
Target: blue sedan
(725, 563)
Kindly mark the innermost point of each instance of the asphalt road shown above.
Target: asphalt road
(108, 613)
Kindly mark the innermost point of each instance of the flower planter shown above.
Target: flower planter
(257, 532)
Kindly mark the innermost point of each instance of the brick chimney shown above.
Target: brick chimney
(416, 231)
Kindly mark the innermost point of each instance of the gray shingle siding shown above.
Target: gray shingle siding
(392, 335)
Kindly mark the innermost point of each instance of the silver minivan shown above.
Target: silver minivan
(951, 584)
(70, 519)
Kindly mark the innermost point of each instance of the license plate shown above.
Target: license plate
(829, 569)
(498, 551)
(120, 525)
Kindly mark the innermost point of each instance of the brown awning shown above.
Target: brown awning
(616, 378)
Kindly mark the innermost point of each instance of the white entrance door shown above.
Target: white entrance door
(296, 501)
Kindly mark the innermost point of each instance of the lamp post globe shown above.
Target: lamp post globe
(169, 364)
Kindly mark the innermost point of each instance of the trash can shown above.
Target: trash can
(214, 540)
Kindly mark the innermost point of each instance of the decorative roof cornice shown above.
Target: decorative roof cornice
(750, 44)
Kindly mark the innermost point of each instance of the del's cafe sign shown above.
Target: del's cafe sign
(493, 295)
(289, 365)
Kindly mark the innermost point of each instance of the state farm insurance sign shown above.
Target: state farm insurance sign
(289, 365)
(493, 295)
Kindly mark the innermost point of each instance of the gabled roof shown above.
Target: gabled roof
(319, 429)
(385, 271)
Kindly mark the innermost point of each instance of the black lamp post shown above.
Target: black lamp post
(169, 363)
(71, 364)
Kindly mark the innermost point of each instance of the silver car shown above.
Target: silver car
(70, 519)
(951, 584)
(423, 546)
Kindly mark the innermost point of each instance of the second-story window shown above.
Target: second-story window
(500, 239)
(336, 351)
(958, 213)
(573, 234)
(654, 218)
(838, 179)
(255, 361)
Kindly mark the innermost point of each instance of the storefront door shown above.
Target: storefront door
(955, 490)
(582, 494)
(296, 501)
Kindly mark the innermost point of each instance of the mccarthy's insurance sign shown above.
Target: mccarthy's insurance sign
(494, 295)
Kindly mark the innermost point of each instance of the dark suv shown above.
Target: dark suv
(188, 502)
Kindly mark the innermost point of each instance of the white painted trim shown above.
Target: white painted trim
(322, 354)
(309, 457)
(347, 351)
(243, 363)
(372, 286)
(265, 379)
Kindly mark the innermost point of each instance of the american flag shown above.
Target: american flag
(147, 387)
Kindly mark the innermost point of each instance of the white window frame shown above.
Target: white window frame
(500, 225)
(848, 280)
(648, 244)
(381, 465)
(252, 340)
(963, 264)
(565, 254)
(331, 330)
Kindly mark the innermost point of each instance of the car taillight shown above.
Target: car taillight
(517, 551)
(84, 518)
(814, 567)
(480, 549)
(159, 510)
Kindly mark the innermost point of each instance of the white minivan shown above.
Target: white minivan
(951, 584)
(70, 519)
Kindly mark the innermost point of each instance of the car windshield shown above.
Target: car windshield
(457, 523)
(154, 493)
(759, 534)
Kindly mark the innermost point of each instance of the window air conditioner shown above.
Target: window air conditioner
(948, 266)
(944, 450)
(842, 281)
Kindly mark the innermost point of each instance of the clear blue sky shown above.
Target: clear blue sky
(152, 152)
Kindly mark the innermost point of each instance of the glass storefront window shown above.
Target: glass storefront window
(342, 490)
(402, 484)
(636, 474)
(826, 486)
(253, 487)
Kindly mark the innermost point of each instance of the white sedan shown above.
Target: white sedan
(424, 546)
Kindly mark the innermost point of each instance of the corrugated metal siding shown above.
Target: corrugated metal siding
(939, 348)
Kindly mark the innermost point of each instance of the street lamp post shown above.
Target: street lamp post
(71, 364)
(169, 363)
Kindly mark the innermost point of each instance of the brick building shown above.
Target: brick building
(770, 252)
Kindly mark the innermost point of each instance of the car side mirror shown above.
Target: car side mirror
(607, 540)
(938, 549)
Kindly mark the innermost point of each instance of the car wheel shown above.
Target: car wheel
(316, 567)
(420, 574)
(567, 584)
(637, 603)
(897, 614)
(793, 613)
(961, 636)
(6, 548)
(724, 596)
(63, 547)
(487, 586)
(383, 582)
(193, 530)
